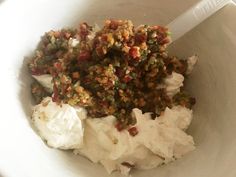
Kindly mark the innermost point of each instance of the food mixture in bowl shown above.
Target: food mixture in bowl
(113, 95)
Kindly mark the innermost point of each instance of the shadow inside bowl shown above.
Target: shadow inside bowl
(24, 95)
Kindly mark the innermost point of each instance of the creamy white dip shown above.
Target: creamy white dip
(159, 141)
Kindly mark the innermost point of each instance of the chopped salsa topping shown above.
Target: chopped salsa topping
(111, 71)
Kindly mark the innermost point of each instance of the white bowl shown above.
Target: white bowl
(213, 82)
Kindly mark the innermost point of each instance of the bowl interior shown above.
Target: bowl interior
(213, 82)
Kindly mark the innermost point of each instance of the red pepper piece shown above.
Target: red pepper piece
(119, 126)
(84, 56)
(133, 131)
(134, 52)
(127, 78)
